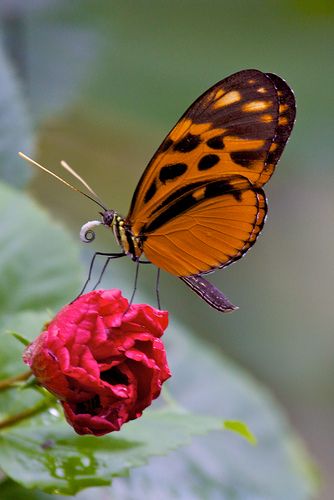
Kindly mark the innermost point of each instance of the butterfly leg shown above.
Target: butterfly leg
(137, 261)
(109, 257)
(157, 289)
(135, 283)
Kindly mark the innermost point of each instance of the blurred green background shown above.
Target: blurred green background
(105, 81)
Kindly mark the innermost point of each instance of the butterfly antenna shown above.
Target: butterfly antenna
(71, 170)
(33, 162)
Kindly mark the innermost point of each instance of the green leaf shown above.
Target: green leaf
(240, 428)
(221, 465)
(59, 48)
(13, 117)
(40, 269)
(73, 462)
(29, 324)
(14, 401)
(10, 489)
(40, 264)
(47, 454)
(211, 466)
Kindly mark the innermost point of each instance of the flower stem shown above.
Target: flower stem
(9, 382)
(30, 412)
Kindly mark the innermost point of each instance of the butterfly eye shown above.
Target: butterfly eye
(87, 235)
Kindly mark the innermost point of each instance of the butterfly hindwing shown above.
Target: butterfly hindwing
(207, 227)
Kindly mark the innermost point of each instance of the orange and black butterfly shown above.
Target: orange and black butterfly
(199, 204)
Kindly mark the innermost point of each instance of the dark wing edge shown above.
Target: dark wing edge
(286, 119)
(209, 293)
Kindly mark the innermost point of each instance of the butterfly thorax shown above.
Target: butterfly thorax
(130, 243)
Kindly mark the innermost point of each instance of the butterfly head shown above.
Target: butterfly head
(108, 219)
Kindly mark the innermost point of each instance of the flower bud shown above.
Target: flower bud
(104, 360)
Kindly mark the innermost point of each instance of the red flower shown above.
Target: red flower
(103, 360)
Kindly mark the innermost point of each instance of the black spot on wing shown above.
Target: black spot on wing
(150, 192)
(187, 144)
(271, 158)
(220, 187)
(171, 172)
(207, 162)
(178, 193)
(166, 144)
(246, 158)
(216, 142)
(179, 206)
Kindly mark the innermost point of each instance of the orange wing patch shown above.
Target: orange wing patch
(227, 99)
(193, 237)
(255, 106)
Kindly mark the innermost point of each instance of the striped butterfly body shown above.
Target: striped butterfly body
(199, 204)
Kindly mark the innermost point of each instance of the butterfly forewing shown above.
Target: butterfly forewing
(228, 130)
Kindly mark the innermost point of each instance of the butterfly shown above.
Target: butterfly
(199, 204)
